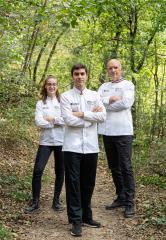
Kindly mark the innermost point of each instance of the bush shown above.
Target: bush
(15, 121)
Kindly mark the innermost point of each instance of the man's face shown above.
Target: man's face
(114, 70)
(79, 77)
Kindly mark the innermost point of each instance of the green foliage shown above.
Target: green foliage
(20, 196)
(161, 221)
(155, 215)
(23, 183)
(8, 180)
(159, 155)
(5, 234)
(19, 186)
(155, 180)
(16, 118)
(141, 148)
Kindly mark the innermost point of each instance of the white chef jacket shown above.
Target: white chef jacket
(119, 119)
(81, 133)
(51, 133)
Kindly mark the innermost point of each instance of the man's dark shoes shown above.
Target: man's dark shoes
(92, 223)
(34, 206)
(76, 230)
(117, 203)
(129, 211)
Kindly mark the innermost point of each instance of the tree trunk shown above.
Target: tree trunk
(91, 51)
(31, 45)
(30, 50)
(156, 82)
(116, 39)
(38, 61)
(161, 127)
(134, 110)
(51, 55)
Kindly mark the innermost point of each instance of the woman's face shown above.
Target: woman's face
(51, 87)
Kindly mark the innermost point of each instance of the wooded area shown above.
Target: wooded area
(40, 37)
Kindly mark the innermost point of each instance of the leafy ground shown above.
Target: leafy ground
(149, 222)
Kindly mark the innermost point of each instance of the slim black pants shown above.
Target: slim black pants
(119, 151)
(80, 176)
(42, 157)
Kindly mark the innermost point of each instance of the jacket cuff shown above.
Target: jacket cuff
(87, 124)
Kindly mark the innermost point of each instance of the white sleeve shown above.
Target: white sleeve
(126, 101)
(59, 121)
(67, 114)
(96, 116)
(39, 120)
(105, 100)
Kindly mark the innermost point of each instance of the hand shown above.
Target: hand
(78, 114)
(114, 99)
(49, 119)
(97, 109)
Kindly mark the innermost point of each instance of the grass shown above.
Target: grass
(5, 234)
(19, 187)
(155, 214)
(155, 180)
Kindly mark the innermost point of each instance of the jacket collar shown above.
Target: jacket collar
(51, 99)
(118, 80)
(80, 92)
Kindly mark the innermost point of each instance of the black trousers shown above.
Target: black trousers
(80, 176)
(42, 157)
(119, 151)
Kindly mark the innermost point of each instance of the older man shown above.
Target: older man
(81, 109)
(118, 98)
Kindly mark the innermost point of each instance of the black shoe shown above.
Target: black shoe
(92, 223)
(117, 203)
(34, 206)
(129, 211)
(57, 207)
(76, 230)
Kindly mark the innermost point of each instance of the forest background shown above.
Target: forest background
(41, 37)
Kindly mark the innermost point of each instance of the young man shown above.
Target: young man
(117, 131)
(81, 110)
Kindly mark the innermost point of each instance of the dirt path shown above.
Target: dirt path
(47, 224)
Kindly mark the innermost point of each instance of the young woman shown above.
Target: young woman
(48, 118)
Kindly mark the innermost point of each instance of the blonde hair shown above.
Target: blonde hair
(115, 60)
